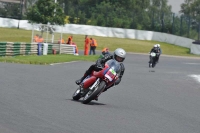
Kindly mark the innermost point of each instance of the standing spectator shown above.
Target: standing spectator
(40, 39)
(69, 41)
(93, 45)
(61, 41)
(36, 38)
(87, 44)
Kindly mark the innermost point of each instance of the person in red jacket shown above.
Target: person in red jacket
(87, 44)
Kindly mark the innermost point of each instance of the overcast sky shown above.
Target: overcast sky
(175, 5)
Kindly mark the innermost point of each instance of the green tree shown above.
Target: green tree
(10, 10)
(191, 8)
(46, 11)
(161, 15)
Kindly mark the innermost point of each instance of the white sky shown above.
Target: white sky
(175, 5)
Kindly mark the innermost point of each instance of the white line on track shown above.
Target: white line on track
(196, 77)
(63, 63)
(193, 63)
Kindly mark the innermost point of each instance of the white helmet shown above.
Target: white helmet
(155, 46)
(158, 45)
(119, 55)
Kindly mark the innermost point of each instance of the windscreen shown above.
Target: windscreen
(114, 65)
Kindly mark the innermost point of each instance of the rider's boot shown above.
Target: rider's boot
(96, 98)
(81, 79)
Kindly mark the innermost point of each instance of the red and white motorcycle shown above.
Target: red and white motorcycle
(94, 84)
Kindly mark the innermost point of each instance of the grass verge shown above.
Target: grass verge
(130, 45)
(47, 59)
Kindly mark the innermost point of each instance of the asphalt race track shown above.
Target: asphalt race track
(38, 98)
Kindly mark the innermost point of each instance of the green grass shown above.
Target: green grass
(130, 45)
(47, 59)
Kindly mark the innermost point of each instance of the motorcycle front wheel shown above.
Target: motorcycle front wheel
(150, 64)
(77, 94)
(92, 94)
(153, 63)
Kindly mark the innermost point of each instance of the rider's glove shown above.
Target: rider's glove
(106, 58)
(99, 66)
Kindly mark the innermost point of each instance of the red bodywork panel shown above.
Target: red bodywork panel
(88, 82)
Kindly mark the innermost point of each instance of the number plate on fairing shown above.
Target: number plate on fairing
(153, 54)
(110, 74)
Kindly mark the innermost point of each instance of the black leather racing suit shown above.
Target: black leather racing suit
(157, 51)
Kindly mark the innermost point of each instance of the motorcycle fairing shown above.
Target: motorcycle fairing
(100, 74)
(89, 81)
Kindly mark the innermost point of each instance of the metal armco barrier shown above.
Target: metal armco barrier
(17, 48)
(21, 48)
(3, 48)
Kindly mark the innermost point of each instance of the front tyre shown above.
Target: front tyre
(150, 64)
(92, 94)
(154, 63)
(77, 94)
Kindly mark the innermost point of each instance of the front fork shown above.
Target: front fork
(94, 86)
(91, 88)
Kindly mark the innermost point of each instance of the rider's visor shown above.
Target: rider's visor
(119, 59)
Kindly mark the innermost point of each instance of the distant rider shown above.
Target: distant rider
(156, 50)
(104, 52)
(119, 55)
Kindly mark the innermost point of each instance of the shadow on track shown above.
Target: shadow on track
(91, 103)
(152, 71)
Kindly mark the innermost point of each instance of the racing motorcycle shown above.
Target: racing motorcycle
(152, 62)
(94, 84)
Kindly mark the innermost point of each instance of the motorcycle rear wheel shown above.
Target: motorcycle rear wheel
(153, 64)
(92, 94)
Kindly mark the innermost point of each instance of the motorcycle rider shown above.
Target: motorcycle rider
(156, 50)
(119, 55)
(104, 52)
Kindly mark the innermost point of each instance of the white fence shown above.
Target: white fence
(64, 48)
(110, 32)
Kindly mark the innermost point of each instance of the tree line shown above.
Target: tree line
(152, 15)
